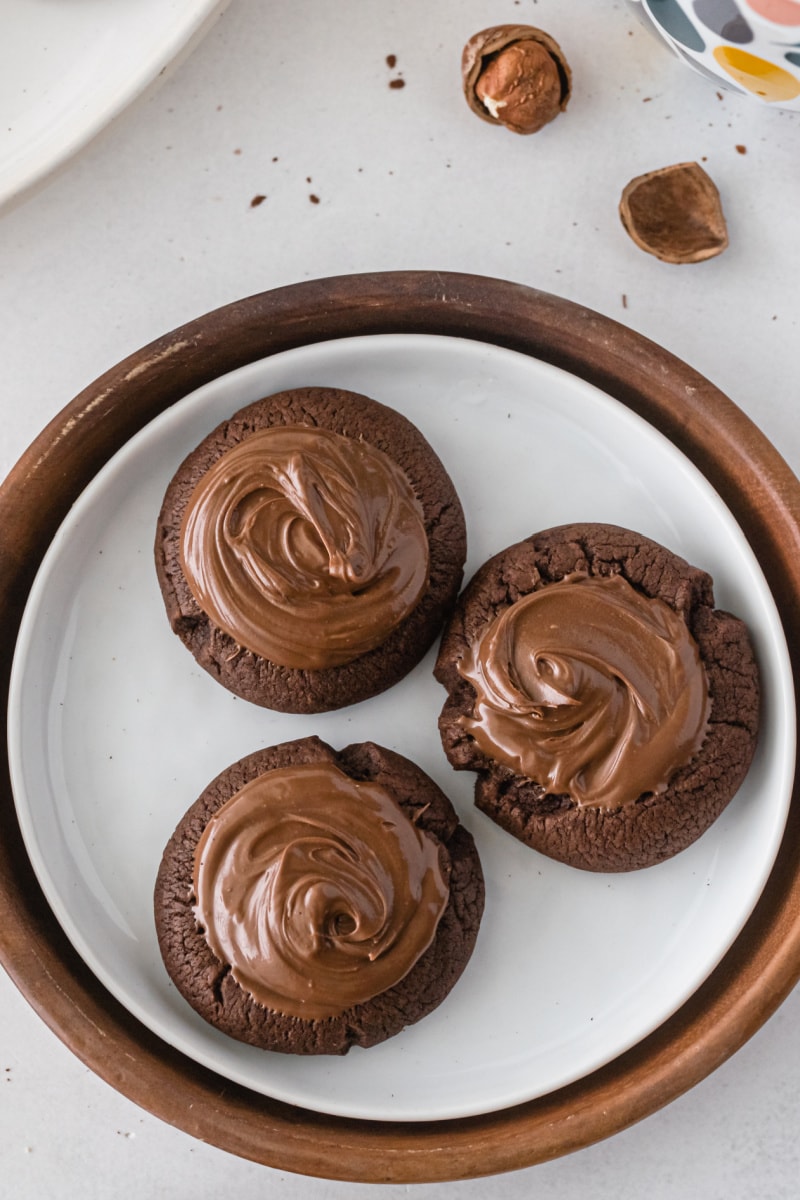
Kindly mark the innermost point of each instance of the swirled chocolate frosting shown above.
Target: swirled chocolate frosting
(316, 889)
(306, 547)
(590, 688)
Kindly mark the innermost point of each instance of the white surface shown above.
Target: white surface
(67, 69)
(602, 961)
(152, 225)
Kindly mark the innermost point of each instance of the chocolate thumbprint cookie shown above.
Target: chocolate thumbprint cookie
(310, 549)
(310, 900)
(609, 710)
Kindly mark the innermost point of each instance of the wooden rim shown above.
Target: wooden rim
(764, 496)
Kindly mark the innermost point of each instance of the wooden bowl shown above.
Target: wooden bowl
(759, 488)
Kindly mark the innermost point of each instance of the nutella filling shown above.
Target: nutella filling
(591, 689)
(316, 889)
(306, 547)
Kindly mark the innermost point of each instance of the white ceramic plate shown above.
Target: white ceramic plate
(68, 67)
(114, 731)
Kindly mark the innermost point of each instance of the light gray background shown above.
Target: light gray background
(152, 225)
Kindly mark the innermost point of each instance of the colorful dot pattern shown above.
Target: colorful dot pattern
(782, 12)
(712, 34)
(757, 75)
(671, 17)
(724, 18)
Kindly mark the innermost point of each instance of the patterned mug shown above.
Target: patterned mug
(752, 46)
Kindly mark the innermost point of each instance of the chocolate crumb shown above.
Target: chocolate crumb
(740, 149)
(397, 83)
(254, 203)
(314, 199)
(624, 300)
(237, 151)
(391, 60)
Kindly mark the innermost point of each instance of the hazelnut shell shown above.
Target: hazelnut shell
(675, 213)
(491, 41)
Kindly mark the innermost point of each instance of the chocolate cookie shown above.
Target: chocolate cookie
(310, 549)
(609, 710)
(310, 901)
